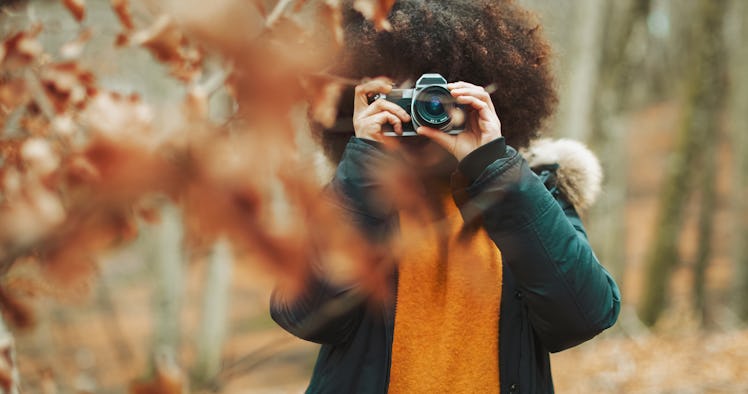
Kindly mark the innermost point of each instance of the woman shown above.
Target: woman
(498, 272)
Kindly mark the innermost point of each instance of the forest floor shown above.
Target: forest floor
(100, 338)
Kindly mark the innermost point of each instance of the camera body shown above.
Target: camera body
(429, 104)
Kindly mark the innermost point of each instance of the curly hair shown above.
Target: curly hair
(484, 42)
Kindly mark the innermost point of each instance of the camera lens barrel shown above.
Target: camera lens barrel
(432, 107)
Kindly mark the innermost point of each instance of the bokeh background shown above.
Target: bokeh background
(658, 89)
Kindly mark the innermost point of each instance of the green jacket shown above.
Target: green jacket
(555, 294)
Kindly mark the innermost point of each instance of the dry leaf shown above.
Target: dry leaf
(77, 8)
(21, 48)
(67, 86)
(169, 378)
(9, 377)
(333, 19)
(73, 49)
(163, 39)
(323, 99)
(122, 10)
(111, 115)
(39, 156)
(166, 42)
(17, 312)
(376, 11)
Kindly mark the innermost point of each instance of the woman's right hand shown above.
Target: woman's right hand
(368, 119)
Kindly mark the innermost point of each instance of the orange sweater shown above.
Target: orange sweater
(447, 312)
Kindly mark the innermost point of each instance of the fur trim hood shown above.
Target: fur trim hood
(579, 175)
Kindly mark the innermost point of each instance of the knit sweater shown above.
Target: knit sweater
(447, 314)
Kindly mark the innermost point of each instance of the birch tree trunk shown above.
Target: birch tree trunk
(167, 260)
(215, 312)
(699, 123)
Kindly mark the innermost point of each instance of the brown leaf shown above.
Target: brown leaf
(122, 10)
(333, 19)
(67, 85)
(323, 99)
(376, 11)
(73, 49)
(117, 117)
(163, 39)
(169, 378)
(21, 48)
(15, 310)
(39, 156)
(166, 42)
(261, 8)
(77, 8)
(13, 93)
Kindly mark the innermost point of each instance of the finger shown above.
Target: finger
(366, 89)
(381, 118)
(464, 88)
(443, 139)
(475, 103)
(384, 105)
(478, 93)
(462, 84)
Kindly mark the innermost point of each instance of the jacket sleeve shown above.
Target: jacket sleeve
(570, 296)
(323, 312)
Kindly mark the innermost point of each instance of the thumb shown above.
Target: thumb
(445, 140)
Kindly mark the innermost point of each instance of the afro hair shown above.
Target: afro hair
(485, 42)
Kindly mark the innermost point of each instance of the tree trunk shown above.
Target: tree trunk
(608, 137)
(215, 311)
(167, 259)
(703, 99)
(583, 54)
(739, 131)
(708, 190)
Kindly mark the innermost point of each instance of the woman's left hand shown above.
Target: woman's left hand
(482, 125)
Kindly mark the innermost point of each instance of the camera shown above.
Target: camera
(429, 104)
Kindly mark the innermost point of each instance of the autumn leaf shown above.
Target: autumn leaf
(376, 11)
(166, 42)
(73, 49)
(122, 10)
(21, 49)
(77, 8)
(163, 39)
(323, 99)
(332, 16)
(168, 378)
(15, 310)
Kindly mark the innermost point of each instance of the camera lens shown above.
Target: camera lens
(432, 106)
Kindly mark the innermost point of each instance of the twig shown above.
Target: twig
(252, 360)
(277, 12)
(38, 94)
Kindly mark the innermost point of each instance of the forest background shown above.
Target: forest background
(138, 255)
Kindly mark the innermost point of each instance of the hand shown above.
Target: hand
(368, 119)
(482, 125)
